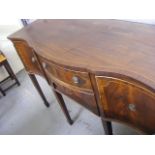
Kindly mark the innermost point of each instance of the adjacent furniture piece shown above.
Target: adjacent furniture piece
(25, 22)
(4, 62)
(108, 66)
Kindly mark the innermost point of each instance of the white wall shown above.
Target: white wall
(8, 27)
(147, 21)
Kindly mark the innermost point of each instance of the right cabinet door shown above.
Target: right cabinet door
(127, 102)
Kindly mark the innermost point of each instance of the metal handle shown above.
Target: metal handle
(75, 79)
(132, 107)
(33, 59)
(44, 65)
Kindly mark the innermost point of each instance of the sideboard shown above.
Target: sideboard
(107, 66)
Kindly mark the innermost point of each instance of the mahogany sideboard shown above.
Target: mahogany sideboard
(108, 66)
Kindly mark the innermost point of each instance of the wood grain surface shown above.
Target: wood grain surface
(106, 65)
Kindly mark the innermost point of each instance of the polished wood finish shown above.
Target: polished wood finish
(86, 99)
(72, 77)
(37, 86)
(127, 102)
(30, 61)
(63, 106)
(28, 57)
(62, 79)
(105, 65)
(107, 127)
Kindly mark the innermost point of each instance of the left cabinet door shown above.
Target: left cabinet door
(28, 57)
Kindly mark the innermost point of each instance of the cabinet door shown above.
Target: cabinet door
(127, 102)
(28, 57)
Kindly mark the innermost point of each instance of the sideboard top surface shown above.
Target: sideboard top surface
(96, 45)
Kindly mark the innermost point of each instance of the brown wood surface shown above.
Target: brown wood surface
(114, 61)
(28, 57)
(67, 75)
(61, 79)
(96, 45)
(63, 106)
(38, 88)
(86, 99)
(127, 102)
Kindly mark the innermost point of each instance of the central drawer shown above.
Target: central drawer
(72, 83)
(71, 77)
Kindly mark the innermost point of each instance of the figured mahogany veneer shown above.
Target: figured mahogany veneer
(79, 89)
(72, 77)
(28, 57)
(87, 99)
(129, 102)
(108, 66)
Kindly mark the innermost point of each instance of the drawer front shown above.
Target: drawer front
(74, 78)
(28, 57)
(86, 99)
(127, 102)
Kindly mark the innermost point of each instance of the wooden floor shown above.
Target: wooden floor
(22, 112)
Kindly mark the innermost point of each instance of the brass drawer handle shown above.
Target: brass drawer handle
(33, 59)
(44, 65)
(132, 107)
(75, 80)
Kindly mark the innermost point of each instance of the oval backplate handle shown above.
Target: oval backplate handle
(132, 107)
(33, 59)
(75, 79)
(44, 65)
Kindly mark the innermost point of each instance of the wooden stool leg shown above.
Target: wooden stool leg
(10, 72)
(37, 86)
(63, 106)
(3, 93)
(107, 127)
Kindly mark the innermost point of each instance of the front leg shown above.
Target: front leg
(107, 127)
(37, 86)
(10, 72)
(3, 93)
(63, 106)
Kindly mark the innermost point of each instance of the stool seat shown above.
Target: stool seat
(2, 58)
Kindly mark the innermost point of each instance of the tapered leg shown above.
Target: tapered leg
(3, 93)
(63, 106)
(107, 127)
(37, 86)
(10, 72)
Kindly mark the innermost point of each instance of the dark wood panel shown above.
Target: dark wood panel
(127, 102)
(73, 52)
(28, 57)
(96, 45)
(86, 99)
(72, 77)
(61, 79)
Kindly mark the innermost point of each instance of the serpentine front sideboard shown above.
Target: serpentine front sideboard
(108, 66)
